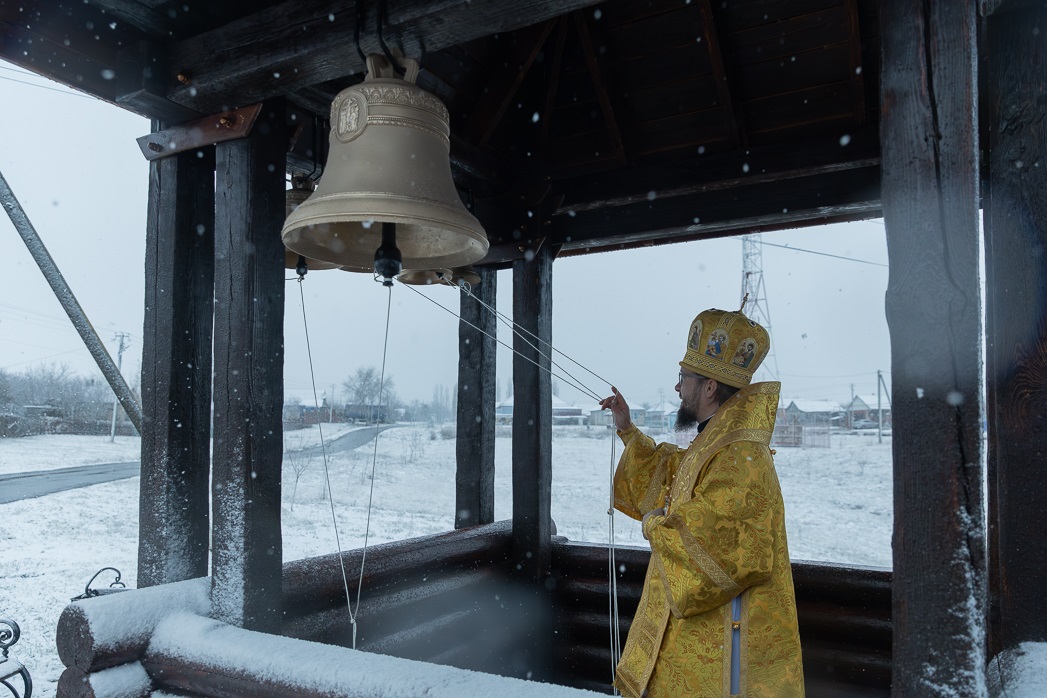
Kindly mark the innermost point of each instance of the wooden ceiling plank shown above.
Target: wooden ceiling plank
(487, 115)
(731, 112)
(600, 84)
(858, 82)
(135, 14)
(554, 82)
(237, 63)
(793, 198)
(818, 154)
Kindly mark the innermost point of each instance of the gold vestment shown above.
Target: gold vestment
(722, 536)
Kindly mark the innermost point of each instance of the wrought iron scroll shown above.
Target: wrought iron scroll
(10, 668)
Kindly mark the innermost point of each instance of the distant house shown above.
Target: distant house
(564, 413)
(602, 418)
(662, 417)
(867, 407)
(810, 413)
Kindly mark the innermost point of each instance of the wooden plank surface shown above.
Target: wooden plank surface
(477, 381)
(176, 370)
(248, 382)
(930, 205)
(1016, 315)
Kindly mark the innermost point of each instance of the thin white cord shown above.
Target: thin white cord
(573, 384)
(374, 459)
(612, 568)
(327, 474)
(518, 328)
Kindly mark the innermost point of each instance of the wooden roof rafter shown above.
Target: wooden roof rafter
(858, 84)
(732, 114)
(488, 114)
(600, 84)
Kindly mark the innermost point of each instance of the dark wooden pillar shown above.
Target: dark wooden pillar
(176, 369)
(248, 384)
(930, 204)
(474, 477)
(1015, 124)
(532, 413)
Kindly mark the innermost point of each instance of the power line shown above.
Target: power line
(20, 71)
(45, 87)
(837, 256)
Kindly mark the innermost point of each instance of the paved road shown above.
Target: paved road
(40, 482)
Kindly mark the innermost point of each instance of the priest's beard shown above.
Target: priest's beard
(685, 418)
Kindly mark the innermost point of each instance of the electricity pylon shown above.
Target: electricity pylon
(756, 307)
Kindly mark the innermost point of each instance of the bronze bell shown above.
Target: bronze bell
(466, 275)
(427, 277)
(448, 277)
(388, 164)
(301, 189)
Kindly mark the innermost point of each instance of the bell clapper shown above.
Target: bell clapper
(387, 259)
(301, 268)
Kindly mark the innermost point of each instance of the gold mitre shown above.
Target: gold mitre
(726, 346)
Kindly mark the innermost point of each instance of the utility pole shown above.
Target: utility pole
(119, 366)
(330, 406)
(879, 410)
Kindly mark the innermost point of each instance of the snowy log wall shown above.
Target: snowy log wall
(447, 599)
(844, 613)
(430, 598)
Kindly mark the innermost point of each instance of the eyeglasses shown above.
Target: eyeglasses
(687, 375)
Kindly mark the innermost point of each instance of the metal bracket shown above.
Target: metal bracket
(117, 585)
(9, 668)
(201, 133)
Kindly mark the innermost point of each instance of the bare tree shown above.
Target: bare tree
(299, 459)
(365, 388)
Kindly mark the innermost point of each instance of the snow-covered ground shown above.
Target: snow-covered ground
(838, 504)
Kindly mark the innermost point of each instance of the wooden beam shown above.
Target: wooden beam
(930, 206)
(246, 61)
(176, 370)
(532, 413)
(1016, 331)
(477, 381)
(248, 382)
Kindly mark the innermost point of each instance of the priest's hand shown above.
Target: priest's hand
(619, 409)
(643, 522)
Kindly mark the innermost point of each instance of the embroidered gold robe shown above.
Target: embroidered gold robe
(722, 536)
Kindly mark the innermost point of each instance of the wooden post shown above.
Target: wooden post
(532, 413)
(176, 369)
(930, 204)
(474, 477)
(248, 386)
(1016, 314)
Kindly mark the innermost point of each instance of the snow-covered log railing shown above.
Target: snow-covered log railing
(204, 657)
(844, 614)
(114, 629)
(425, 598)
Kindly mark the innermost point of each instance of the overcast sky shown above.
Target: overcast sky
(75, 166)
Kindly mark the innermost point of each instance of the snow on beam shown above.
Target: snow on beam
(196, 654)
